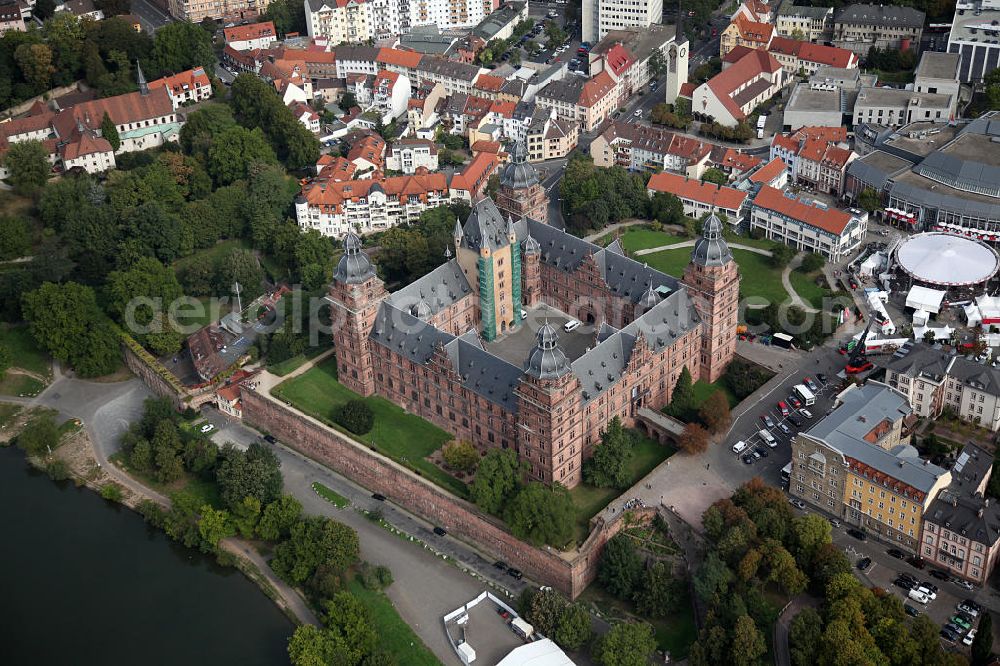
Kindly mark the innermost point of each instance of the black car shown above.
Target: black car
(930, 586)
(897, 553)
(864, 563)
(378, 496)
(910, 610)
(948, 635)
(940, 575)
(916, 562)
(820, 376)
(514, 573)
(857, 534)
(748, 459)
(795, 421)
(500, 564)
(903, 583)
(440, 531)
(270, 439)
(762, 451)
(972, 604)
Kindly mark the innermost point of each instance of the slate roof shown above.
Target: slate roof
(483, 373)
(958, 506)
(880, 15)
(485, 228)
(863, 408)
(922, 361)
(439, 289)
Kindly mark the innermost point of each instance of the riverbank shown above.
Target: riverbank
(77, 452)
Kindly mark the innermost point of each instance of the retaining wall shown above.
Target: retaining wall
(570, 574)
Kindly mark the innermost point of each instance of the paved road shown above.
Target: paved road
(150, 16)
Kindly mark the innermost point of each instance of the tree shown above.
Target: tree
(781, 255)
(40, 436)
(870, 200)
(574, 628)
(180, 46)
(350, 623)
(235, 151)
(65, 320)
(810, 533)
(312, 646)
(627, 644)
(666, 208)
(110, 132)
(347, 101)
(982, 644)
(147, 279)
(35, 61)
(659, 592)
(278, 517)
(748, 644)
(28, 163)
(460, 455)
(682, 399)
(713, 577)
(356, 416)
(15, 237)
(804, 637)
(714, 176)
(44, 9)
(715, 412)
(255, 472)
(497, 478)
(547, 607)
(315, 542)
(658, 64)
(203, 126)
(287, 15)
(240, 266)
(694, 440)
(214, 526)
(540, 514)
(4, 360)
(620, 569)
(608, 467)
(813, 261)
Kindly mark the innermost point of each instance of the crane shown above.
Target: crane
(858, 361)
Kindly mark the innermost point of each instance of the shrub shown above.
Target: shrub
(460, 455)
(111, 492)
(57, 470)
(356, 416)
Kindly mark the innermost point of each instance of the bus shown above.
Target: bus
(805, 395)
(781, 340)
(786, 473)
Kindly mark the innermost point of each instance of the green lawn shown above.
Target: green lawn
(588, 500)
(289, 365)
(7, 414)
(640, 238)
(703, 390)
(20, 385)
(759, 243)
(197, 317)
(395, 636)
(759, 277)
(209, 254)
(24, 353)
(805, 285)
(405, 438)
(330, 495)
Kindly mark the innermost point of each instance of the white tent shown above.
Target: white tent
(922, 298)
(943, 333)
(538, 653)
(873, 263)
(920, 317)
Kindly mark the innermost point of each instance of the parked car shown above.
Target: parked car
(739, 446)
(864, 564)
(820, 376)
(948, 635)
(965, 585)
(834, 522)
(903, 584)
(940, 575)
(969, 637)
(440, 531)
(910, 610)
(500, 564)
(783, 408)
(970, 606)
(795, 421)
(960, 621)
(638, 113)
(514, 573)
(785, 429)
(799, 504)
(767, 420)
(810, 384)
(806, 413)
(761, 452)
(857, 534)
(270, 439)
(756, 454)
(919, 597)
(747, 458)
(930, 594)
(378, 496)
(916, 562)
(897, 553)
(572, 325)
(208, 427)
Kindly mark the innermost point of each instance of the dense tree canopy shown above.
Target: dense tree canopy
(255, 472)
(608, 467)
(28, 164)
(497, 479)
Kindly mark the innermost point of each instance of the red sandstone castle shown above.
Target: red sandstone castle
(447, 346)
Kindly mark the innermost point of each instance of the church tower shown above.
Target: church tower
(550, 421)
(520, 194)
(356, 292)
(713, 281)
(532, 271)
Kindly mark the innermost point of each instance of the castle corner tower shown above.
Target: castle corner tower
(713, 280)
(356, 292)
(521, 194)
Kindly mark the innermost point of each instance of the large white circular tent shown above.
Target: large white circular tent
(948, 260)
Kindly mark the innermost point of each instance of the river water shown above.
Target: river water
(85, 582)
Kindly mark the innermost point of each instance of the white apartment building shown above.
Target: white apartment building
(390, 94)
(340, 21)
(196, 11)
(408, 155)
(807, 226)
(249, 37)
(812, 24)
(938, 73)
(599, 17)
(447, 14)
(892, 107)
(975, 34)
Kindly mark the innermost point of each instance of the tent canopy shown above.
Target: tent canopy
(922, 298)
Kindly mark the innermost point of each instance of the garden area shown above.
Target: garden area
(29, 369)
(406, 438)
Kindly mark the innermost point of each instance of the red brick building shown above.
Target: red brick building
(520, 194)
(437, 346)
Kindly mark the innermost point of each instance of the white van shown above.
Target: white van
(768, 438)
(739, 446)
(919, 596)
(572, 325)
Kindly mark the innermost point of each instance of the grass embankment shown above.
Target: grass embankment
(31, 369)
(406, 438)
(202, 490)
(330, 495)
(395, 636)
(292, 364)
(759, 278)
(7, 414)
(588, 500)
(805, 286)
(704, 390)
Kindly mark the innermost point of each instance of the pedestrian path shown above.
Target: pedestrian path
(690, 243)
(786, 281)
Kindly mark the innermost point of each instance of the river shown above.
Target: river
(83, 581)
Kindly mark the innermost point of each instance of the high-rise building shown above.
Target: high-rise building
(599, 17)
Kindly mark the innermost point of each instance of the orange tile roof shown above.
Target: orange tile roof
(733, 159)
(337, 169)
(230, 394)
(830, 219)
(241, 33)
(333, 195)
(399, 58)
(596, 88)
(474, 176)
(88, 143)
(505, 109)
(695, 190)
(736, 53)
(768, 172)
(687, 89)
(484, 146)
(618, 59)
(489, 83)
(128, 108)
(192, 78)
(370, 148)
(747, 68)
(385, 77)
(752, 31)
